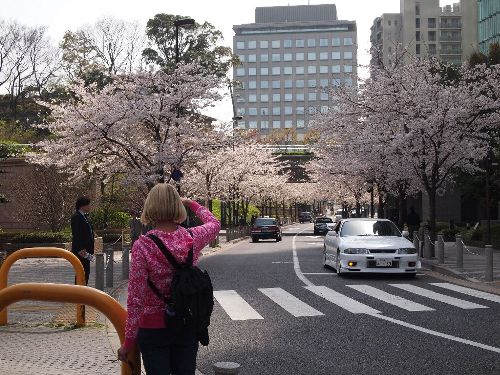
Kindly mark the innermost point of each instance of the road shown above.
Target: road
(277, 313)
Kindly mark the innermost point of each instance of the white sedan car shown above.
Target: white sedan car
(369, 245)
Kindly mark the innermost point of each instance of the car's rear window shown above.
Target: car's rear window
(324, 220)
(265, 221)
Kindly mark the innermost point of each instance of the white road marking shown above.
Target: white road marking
(341, 300)
(439, 297)
(469, 291)
(281, 262)
(296, 264)
(320, 273)
(438, 334)
(313, 236)
(235, 306)
(390, 298)
(315, 243)
(290, 303)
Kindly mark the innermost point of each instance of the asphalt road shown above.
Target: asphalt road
(266, 320)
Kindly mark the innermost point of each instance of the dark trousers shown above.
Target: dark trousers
(164, 353)
(86, 268)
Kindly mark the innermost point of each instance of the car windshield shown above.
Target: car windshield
(369, 228)
(324, 220)
(265, 221)
(305, 213)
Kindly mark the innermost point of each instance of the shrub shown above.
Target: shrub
(114, 219)
(38, 237)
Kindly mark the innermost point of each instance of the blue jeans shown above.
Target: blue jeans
(165, 354)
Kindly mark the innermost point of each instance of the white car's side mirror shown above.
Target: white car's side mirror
(405, 234)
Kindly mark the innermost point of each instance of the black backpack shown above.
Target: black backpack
(191, 301)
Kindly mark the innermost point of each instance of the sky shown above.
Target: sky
(62, 15)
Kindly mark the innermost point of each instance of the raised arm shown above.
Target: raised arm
(208, 231)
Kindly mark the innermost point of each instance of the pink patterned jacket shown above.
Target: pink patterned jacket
(144, 308)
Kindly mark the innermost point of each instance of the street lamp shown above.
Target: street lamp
(183, 22)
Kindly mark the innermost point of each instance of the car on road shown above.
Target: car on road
(266, 228)
(305, 216)
(369, 246)
(321, 225)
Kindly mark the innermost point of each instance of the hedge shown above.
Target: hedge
(35, 237)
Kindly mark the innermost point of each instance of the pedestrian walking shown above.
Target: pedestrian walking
(82, 233)
(413, 221)
(153, 305)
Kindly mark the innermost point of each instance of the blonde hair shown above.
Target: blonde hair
(163, 204)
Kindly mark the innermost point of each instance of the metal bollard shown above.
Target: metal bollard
(110, 268)
(440, 248)
(99, 271)
(416, 242)
(125, 262)
(460, 251)
(427, 246)
(226, 368)
(488, 254)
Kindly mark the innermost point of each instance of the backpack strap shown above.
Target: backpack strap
(189, 259)
(159, 243)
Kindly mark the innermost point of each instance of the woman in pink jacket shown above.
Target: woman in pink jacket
(163, 352)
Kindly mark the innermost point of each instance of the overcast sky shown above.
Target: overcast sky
(62, 15)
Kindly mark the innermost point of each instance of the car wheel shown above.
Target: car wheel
(324, 259)
(255, 239)
(338, 268)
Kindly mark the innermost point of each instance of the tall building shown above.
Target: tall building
(489, 23)
(426, 29)
(289, 57)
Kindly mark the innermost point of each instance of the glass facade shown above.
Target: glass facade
(489, 23)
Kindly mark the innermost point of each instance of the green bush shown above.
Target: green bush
(478, 237)
(37, 237)
(115, 219)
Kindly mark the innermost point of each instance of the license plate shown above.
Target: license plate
(383, 263)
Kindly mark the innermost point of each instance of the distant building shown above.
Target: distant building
(423, 28)
(290, 56)
(488, 23)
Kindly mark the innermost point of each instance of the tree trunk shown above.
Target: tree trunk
(432, 211)
(401, 210)
(381, 205)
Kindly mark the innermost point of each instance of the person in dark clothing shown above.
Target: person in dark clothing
(82, 244)
(413, 221)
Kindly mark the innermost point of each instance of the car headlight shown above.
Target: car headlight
(407, 250)
(355, 251)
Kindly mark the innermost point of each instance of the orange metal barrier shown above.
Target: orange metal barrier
(43, 252)
(76, 294)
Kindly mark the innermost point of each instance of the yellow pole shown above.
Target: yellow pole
(75, 294)
(43, 252)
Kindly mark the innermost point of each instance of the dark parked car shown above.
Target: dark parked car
(321, 225)
(266, 228)
(305, 216)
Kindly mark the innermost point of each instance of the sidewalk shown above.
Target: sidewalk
(474, 264)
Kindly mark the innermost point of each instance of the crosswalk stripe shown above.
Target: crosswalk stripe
(390, 298)
(341, 300)
(439, 297)
(290, 303)
(469, 291)
(235, 306)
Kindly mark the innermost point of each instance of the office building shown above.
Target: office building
(488, 23)
(426, 29)
(289, 58)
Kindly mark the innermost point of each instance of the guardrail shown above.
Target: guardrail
(43, 252)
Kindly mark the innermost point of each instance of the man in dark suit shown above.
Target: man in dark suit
(82, 234)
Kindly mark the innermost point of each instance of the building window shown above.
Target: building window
(431, 23)
(336, 42)
(252, 71)
(276, 98)
(252, 111)
(276, 70)
(288, 124)
(287, 70)
(311, 97)
(312, 110)
(276, 57)
(300, 124)
(240, 45)
(276, 84)
(276, 124)
(299, 56)
(240, 72)
(335, 55)
(299, 70)
(287, 43)
(323, 69)
(417, 23)
(264, 98)
(347, 41)
(264, 124)
(431, 36)
(288, 84)
(417, 35)
(241, 111)
(252, 84)
(288, 97)
(311, 56)
(336, 82)
(323, 96)
(264, 58)
(252, 124)
(264, 84)
(288, 111)
(324, 109)
(417, 9)
(311, 69)
(389, 23)
(348, 82)
(311, 42)
(299, 83)
(348, 55)
(323, 42)
(299, 110)
(323, 82)
(241, 124)
(264, 44)
(311, 83)
(287, 57)
(299, 97)
(276, 111)
(432, 49)
(252, 44)
(264, 71)
(264, 111)
(252, 58)
(242, 58)
(347, 68)
(323, 55)
(335, 68)
(276, 44)
(299, 43)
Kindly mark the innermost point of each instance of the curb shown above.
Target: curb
(446, 271)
